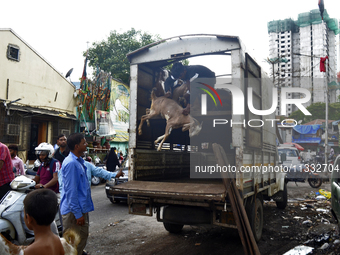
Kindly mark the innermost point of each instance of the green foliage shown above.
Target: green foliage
(318, 112)
(110, 55)
(185, 62)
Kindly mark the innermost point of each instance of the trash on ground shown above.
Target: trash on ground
(307, 222)
(322, 210)
(299, 250)
(325, 193)
(324, 246)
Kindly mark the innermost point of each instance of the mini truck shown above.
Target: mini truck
(161, 182)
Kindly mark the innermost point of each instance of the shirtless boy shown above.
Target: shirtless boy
(40, 209)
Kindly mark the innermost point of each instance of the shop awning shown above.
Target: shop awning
(121, 136)
(41, 111)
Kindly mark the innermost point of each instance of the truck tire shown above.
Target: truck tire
(255, 217)
(284, 194)
(173, 228)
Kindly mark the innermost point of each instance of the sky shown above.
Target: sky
(60, 31)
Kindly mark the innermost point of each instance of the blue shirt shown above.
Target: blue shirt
(76, 197)
(98, 171)
(91, 170)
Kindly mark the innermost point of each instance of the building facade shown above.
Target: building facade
(295, 52)
(36, 102)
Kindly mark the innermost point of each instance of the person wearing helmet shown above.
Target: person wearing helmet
(47, 174)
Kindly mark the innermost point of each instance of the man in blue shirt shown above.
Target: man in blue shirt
(76, 200)
(92, 170)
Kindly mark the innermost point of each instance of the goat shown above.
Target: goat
(172, 112)
(70, 241)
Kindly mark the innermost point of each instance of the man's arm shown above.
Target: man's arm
(101, 172)
(21, 168)
(37, 181)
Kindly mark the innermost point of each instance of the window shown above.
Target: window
(13, 52)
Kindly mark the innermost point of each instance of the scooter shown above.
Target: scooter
(34, 169)
(12, 224)
(94, 179)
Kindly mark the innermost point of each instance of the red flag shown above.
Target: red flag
(322, 64)
(321, 7)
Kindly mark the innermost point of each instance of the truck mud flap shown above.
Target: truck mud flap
(140, 205)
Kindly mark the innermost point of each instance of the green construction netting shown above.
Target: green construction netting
(277, 26)
(304, 19)
(277, 60)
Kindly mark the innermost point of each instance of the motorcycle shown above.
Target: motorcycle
(94, 179)
(12, 224)
(32, 171)
(301, 173)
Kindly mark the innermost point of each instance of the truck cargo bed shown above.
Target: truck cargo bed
(198, 191)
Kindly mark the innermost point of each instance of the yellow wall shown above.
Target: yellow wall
(33, 79)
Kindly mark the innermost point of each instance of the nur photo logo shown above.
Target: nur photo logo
(204, 97)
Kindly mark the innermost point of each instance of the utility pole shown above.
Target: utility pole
(273, 62)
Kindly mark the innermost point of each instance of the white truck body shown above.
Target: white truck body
(161, 180)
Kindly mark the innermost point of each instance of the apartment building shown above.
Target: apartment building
(295, 50)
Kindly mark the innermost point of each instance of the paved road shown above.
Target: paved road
(114, 231)
(104, 211)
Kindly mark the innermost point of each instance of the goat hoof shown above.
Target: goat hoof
(139, 132)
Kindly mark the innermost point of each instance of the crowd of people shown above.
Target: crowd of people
(65, 172)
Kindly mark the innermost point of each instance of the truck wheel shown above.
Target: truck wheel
(173, 228)
(255, 217)
(284, 194)
(114, 201)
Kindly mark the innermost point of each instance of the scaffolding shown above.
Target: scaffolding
(277, 26)
(312, 17)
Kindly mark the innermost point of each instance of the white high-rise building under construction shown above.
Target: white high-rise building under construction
(295, 51)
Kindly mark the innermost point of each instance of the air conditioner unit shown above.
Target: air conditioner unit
(66, 132)
(13, 129)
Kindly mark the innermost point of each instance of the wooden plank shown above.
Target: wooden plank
(240, 216)
(212, 192)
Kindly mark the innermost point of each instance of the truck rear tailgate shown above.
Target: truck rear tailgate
(197, 191)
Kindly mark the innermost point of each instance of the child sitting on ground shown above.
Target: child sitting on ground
(40, 208)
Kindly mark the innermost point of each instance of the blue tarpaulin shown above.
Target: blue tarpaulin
(306, 129)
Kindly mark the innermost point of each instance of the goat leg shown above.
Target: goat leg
(159, 138)
(146, 117)
(168, 130)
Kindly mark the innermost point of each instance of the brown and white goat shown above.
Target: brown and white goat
(70, 241)
(173, 113)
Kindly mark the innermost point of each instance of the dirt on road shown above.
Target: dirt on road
(306, 221)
